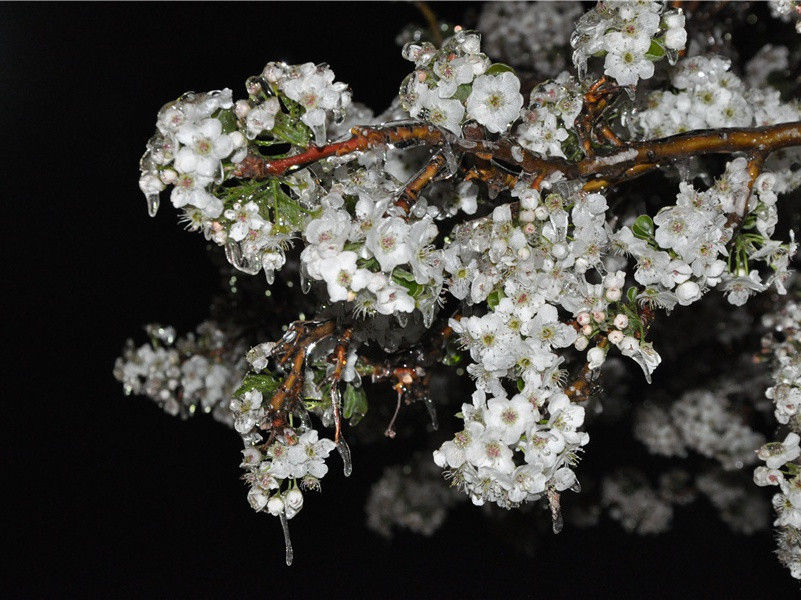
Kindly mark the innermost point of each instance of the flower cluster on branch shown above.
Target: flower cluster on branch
(485, 216)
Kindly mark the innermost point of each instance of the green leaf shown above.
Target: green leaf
(462, 92)
(520, 385)
(406, 280)
(289, 214)
(354, 405)
(643, 227)
(451, 359)
(498, 68)
(495, 297)
(228, 120)
(631, 294)
(265, 383)
(655, 52)
(290, 130)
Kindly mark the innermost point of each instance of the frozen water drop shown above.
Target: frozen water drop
(319, 134)
(305, 282)
(233, 252)
(344, 452)
(403, 319)
(576, 487)
(152, 204)
(287, 541)
(432, 411)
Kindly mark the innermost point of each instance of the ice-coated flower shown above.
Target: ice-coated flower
(495, 101)
(777, 454)
(309, 454)
(625, 60)
(262, 117)
(388, 243)
(442, 112)
(338, 271)
(314, 89)
(595, 357)
(203, 146)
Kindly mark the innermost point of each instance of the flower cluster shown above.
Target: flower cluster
(700, 421)
(787, 10)
(552, 110)
(530, 35)
(190, 152)
(509, 452)
(411, 497)
(374, 259)
(508, 225)
(457, 83)
(631, 36)
(680, 251)
(782, 466)
(632, 501)
(196, 372)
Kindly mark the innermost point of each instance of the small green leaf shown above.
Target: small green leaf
(643, 227)
(265, 383)
(228, 120)
(452, 359)
(631, 294)
(288, 212)
(406, 280)
(656, 51)
(498, 68)
(495, 297)
(520, 385)
(462, 92)
(290, 130)
(354, 405)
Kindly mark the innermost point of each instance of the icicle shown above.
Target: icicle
(319, 134)
(432, 411)
(576, 487)
(305, 419)
(287, 541)
(233, 252)
(556, 511)
(152, 204)
(428, 310)
(451, 162)
(305, 282)
(344, 452)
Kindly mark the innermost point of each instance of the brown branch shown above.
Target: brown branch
(293, 349)
(257, 167)
(431, 20)
(435, 165)
(340, 356)
(630, 160)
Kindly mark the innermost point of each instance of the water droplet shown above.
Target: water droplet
(233, 252)
(576, 487)
(432, 411)
(428, 315)
(305, 282)
(344, 452)
(152, 204)
(290, 554)
(319, 134)
(403, 319)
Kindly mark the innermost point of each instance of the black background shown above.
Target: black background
(109, 497)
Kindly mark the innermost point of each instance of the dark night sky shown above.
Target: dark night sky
(110, 498)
